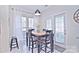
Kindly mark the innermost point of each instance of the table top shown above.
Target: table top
(39, 33)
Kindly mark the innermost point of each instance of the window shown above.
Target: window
(59, 28)
(23, 23)
(31, 23)
(48, 24)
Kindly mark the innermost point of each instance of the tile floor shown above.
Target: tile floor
(24, 49)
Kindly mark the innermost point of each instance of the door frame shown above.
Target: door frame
(58, 43)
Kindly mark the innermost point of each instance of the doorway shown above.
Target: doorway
(59, 25)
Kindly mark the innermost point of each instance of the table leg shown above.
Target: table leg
(38, 48)
(52, 45)
(38, 45)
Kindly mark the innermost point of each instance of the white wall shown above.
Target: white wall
(0, 30)
(72, 28)
(4, 41)
(7, 20)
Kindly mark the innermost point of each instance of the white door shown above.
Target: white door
(60, 28)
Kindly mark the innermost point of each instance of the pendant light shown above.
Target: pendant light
(37, 12)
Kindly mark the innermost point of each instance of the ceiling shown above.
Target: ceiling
(32, 8)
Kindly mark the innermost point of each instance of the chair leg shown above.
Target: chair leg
(45, 48)
(52, 45)
(41, 47)
(17, 43)
(45, 45)
(32, 45)
(26, 39)
(29, 44)
(11, 45)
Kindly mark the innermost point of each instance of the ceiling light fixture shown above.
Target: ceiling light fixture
(37, 12)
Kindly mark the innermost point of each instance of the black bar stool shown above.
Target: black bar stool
(14, 43)
(29, 37)
(48, 42)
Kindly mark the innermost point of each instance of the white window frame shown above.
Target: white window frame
(31, 26)
(49, 23)
(24, 24)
